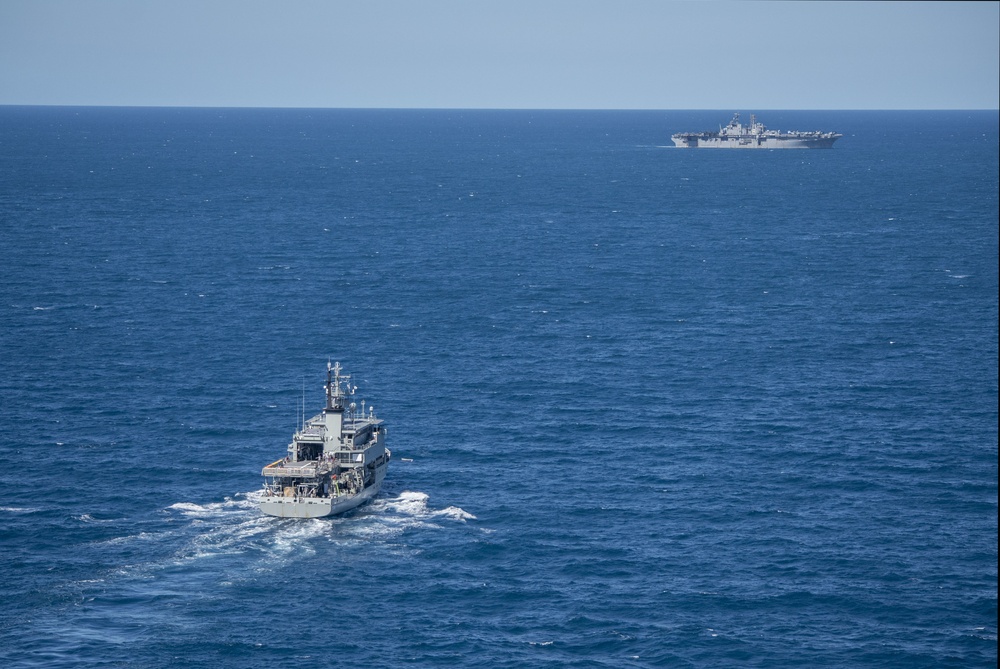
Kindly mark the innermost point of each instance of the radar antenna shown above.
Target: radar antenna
(334, 393)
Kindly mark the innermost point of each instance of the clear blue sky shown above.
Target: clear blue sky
(558, 54)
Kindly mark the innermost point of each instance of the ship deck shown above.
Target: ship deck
(303, 469)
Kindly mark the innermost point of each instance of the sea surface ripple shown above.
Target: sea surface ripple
(648, 407)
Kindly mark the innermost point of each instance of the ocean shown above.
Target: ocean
(648, 407)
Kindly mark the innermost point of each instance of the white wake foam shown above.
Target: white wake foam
(216, 509)
(414, 504)
(236, 526)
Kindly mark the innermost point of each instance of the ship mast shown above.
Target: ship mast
(334, 393)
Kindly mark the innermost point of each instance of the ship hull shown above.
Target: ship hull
(320, 507)
(688, 142)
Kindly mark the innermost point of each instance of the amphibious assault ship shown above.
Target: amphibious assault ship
(754, 136)
(336, 460)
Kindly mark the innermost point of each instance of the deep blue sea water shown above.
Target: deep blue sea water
(649, 407)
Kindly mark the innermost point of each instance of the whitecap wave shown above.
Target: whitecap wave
(456, 513)
(19, 509)
(141, 536)
(415, 504)
(226, 507)
(409, 503)
(187, 508)
(409, 509)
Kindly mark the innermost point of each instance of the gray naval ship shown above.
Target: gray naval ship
(754, 136)
(336, 461)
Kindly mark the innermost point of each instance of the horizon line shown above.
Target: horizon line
(582, 109)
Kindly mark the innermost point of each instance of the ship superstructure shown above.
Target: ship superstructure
(335, 462)
(735, 135)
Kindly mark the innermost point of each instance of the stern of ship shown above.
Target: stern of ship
(294, 507)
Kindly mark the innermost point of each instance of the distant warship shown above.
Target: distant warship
(755, 136)
(336, 461)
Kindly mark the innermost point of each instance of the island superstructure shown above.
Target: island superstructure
(336, 460)
(735, 135)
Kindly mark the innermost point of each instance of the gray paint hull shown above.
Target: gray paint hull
(735, 135)
(765, 143)
(319, 507)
